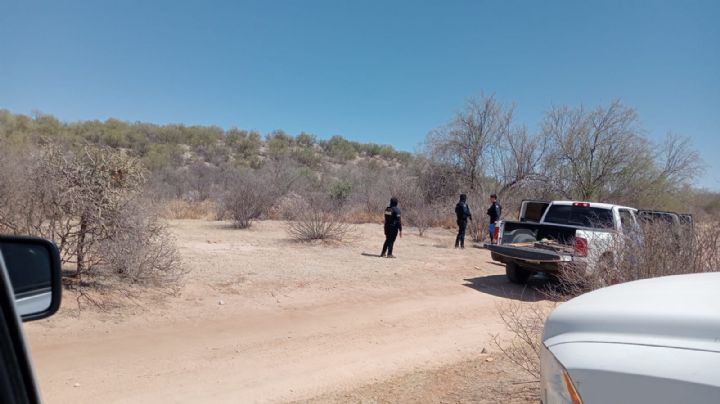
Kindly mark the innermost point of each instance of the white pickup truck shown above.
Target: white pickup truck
(559, 235)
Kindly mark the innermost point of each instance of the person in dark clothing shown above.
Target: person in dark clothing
(494, 211)
(393, 227)
(462, 211)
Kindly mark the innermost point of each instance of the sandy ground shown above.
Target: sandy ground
(264, 319)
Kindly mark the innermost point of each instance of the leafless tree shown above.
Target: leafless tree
(594, 149)
(467, 141)
(437, 181)
(679, 162)
(517, 161)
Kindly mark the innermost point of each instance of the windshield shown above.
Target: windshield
(580, 216)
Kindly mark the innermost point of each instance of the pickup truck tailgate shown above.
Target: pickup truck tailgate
(528, 253)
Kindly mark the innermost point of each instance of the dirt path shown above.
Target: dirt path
(263, 319)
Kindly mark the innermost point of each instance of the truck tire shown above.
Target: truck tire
(516, 273)
(495, 256)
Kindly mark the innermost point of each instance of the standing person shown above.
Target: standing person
(393, 227)
(462, 211)
(494, 211)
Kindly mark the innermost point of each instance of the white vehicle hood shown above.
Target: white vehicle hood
(681, 311)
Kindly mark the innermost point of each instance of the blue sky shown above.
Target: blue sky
(375, 71)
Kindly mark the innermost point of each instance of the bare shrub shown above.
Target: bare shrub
(247, 198)
(477, 228)
(18, 208)
(315, 218)
(707, 246)
(199, 181)
(423, 216)
(371, 188)
(142, 250)
(525, 323)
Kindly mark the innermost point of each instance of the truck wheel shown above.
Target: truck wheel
(495, 256)
(516, 273)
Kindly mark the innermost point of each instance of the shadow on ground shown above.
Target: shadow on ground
(499, 285)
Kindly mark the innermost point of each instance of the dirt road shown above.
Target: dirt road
(264, 319)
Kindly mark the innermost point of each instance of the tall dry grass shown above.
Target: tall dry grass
(182, 209)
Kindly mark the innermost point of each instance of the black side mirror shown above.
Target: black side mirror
(34, 268)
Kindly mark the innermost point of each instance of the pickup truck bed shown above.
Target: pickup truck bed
(537, 256)
(527, 247)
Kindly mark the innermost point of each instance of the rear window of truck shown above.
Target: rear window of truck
(580, 216)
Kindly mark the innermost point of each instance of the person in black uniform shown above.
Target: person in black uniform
(393, 227)
(462, 211)
(494, 211)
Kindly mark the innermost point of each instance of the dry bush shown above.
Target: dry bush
(142, 250)
(89, 203)
(74, 198)
(18, 207)
(247, 198)
(315, 218)
(423, 216)
(183, 209)
(478, 229)
(525, 323)
(447, 222)
(706, 246)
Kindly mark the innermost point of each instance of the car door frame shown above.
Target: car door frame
(17, 379)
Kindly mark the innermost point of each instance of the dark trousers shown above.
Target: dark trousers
(460, 239)
(390, 236)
